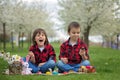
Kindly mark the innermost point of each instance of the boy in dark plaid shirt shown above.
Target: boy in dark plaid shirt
(73, 52)
(41, 53)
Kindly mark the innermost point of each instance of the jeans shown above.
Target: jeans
(66, 67)
(49, 64)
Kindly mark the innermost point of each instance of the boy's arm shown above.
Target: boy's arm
(84, 52)
(31, 54)
(52, 54)
(63, 56)
(32, 57)
(62, 52)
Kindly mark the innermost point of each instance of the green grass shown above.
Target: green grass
(106, 61)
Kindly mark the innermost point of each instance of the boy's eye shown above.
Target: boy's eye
(43, 35)
(78, 32)
(73, 32)
(40, 35)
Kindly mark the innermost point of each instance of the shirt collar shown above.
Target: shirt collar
(36, 46)
(68, 41)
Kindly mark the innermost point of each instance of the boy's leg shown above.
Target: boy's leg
(34, 67)
(49, 64)
(64, 67)
(83, 63)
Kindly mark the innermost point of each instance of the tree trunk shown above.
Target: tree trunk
(29, 39)
(19, 40)
(4, 37)
(12, 43)
(86, 36)
(22, 39)
(117, 41)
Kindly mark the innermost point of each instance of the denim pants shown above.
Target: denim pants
(66, 67)
(49, 64)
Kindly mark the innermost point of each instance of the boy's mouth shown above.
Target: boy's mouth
(82, 48)
(40, 40)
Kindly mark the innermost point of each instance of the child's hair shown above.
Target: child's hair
(39, 30)
(73, 25)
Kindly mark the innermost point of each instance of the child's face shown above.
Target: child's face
(40, 39)
(74, 34)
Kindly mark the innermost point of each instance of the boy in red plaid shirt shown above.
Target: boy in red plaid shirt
(73, 52)
(41, 53)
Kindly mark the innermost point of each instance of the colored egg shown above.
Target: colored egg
(65, 72)
(48, 73)
(55, 73)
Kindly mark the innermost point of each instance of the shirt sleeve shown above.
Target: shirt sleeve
(86, 49)
(62, 52)
(31, 48)
(52, 54)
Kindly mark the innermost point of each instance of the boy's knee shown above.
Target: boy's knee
(52, 62)
(86, 62)
(59, 63)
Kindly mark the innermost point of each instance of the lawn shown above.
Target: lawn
(106, 61)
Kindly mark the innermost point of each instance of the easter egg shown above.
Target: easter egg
(65, 72)
(55, 73)
(48, 73)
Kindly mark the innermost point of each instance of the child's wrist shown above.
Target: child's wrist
(83, 55)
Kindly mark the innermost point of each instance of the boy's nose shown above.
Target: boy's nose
(76, 34)
(40, 36)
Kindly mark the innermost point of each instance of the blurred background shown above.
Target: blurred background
(99, 20)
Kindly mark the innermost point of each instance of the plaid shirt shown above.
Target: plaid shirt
(47, 53)
(72, 52)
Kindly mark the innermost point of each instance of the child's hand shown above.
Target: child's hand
(82, 51)
(31, 54)
(32, 57)
(65, 60)
(83, 54)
